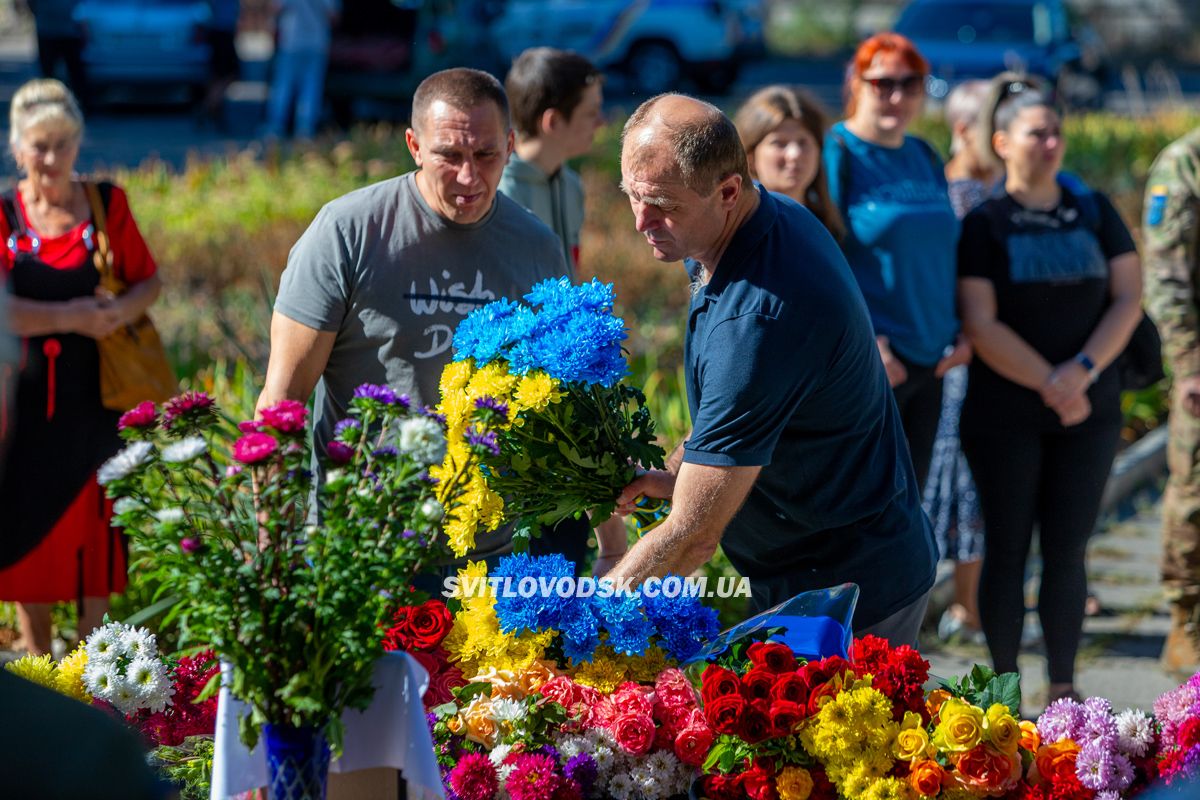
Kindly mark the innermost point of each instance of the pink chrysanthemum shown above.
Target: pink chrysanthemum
(474, 777)
(534, 777)
(286, 416)
(252, 448)
(142, 416)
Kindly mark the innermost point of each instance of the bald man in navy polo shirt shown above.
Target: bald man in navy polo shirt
(797, 463)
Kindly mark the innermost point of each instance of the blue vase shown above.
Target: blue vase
(297, 762)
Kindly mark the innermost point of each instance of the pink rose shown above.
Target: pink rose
(692, 744)
(143, 415)
(252, 448)
(286, 416)
(674, 690)
(634, 733)
(189, 544)
(561, 690)
(629, 698)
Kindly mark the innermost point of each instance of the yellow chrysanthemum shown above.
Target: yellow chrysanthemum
(457, 408)
(888, 789)
(492, 381)
(38, 669)
(536, 391)
(603, 673)
(455, 376)
(69, 679)
(646, 667)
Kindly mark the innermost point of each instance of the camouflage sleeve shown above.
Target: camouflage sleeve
(1169, 233)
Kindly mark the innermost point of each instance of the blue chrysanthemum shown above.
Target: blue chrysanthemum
(515, 610)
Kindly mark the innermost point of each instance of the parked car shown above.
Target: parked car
(964, 39)
(657, 44)
(162, 42)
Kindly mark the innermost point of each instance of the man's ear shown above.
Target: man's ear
(414, 146)
(550, 121)
(731, 190)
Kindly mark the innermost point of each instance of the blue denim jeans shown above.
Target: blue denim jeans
(299, 75)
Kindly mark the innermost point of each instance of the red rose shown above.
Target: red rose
(724, 713)
(790, 687)
(774, 656)
(723, 787)
(634, 733)
(759, 783)
(1189, 733)
(815, 673)
(820, 695)
(754, 725)
(428, 625)
(785, 716)
(718, 682)
(758, 682)
(692, 744)
(426, 660)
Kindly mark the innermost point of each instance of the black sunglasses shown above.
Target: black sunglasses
(911, 85)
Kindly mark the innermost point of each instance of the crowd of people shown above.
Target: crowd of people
(890, 359)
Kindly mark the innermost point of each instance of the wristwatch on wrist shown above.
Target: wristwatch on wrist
(1082, 359)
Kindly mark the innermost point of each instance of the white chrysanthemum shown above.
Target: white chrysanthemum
(502, 772)
(184, 450)
(422, 439)
(662, 763)
(506, 709)
(169, 516)
(101, 678)
(106, 644)
(147, 679)
(124, 698)
(432, 511)
(621, 786)
(123, 505)
(139, 643)
(571, 746)
(499, 753)
(1135, 733)
(648, 784)
(124, 463)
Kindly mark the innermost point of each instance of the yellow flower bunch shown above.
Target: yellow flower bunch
(476, 506)
(960, 727)
(37, 669)
(607, 670)
(69, 678)
(476, 641)
(793, 783)
(912, 741)
(853, 735)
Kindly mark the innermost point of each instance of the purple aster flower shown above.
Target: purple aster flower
(408, 534)
(427, 478)
(583, 770)
(484, 440)
(348, 424)
(377, 392)
(1101, 769)
(491, 404)
(427, 411)
(1062, 719)
(387, 451)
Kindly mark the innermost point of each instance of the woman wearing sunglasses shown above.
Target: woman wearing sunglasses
(1050, 292)
(901, 230)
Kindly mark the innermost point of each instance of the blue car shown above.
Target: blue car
(964, 39)
(163, 42)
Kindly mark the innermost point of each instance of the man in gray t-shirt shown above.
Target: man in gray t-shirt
(375, 287)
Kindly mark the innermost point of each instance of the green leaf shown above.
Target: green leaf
(471, 690)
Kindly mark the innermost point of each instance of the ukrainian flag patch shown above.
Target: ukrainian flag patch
(1157, 206)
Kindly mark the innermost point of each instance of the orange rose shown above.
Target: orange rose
(481, 725)
(1031, 740)
(985, 769)
(535, 676)
(1055, 761)
(926, 777)
(934, 703)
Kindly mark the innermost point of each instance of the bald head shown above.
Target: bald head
(694, 136)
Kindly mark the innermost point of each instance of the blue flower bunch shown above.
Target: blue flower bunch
(573, 336)
(629, 622)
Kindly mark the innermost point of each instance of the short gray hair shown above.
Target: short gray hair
(42, 101)
(707, 150)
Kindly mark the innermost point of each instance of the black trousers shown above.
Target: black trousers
(920, 402)
(1053, 481)
(65, 49)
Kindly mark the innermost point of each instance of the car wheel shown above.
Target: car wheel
(654, 67)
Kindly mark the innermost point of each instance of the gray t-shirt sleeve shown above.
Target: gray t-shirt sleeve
(315, 287)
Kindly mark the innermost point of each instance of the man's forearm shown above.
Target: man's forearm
(663, 551)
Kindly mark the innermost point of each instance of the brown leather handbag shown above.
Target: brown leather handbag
(133, 362)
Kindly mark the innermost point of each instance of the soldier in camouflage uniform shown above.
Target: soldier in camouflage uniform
(1171, 234)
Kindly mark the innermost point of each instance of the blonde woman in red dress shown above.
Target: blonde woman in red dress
(51, 507)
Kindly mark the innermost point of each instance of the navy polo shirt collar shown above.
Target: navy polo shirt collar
(744, 241)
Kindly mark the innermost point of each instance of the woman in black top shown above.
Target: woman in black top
(1050, 291)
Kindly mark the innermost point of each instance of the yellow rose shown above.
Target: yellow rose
(911, 744)
(960, 728)
(793, 783)
(1030, 739)
(1002, 729)
(456, 725)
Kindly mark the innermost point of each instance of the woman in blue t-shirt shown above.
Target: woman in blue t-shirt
(901, 231)
(1050, 292)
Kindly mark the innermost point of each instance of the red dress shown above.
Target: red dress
(59, 432)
